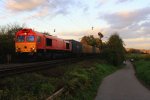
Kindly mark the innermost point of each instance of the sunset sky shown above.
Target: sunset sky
(73, 19)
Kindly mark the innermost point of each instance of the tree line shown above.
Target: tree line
(112, 51)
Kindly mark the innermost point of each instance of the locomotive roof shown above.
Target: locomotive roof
(32, 30)
(40, 33)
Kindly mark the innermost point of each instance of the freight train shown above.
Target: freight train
(28, 41)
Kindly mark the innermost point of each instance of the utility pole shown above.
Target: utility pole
(92, 28)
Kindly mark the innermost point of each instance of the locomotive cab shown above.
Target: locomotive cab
(25, 41)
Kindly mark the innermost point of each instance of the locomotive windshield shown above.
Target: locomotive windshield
(20, 38)
(30, 38)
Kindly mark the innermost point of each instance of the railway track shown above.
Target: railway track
(7, 70)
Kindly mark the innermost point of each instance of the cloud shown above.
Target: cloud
(117, 1)
(3, 17)
(140, 40)
(23, 5)
(132, 26)
(85, 9)
(103, 1)
(40, 7)
(129, 23)
(41, 13)
(122, 1)
(138, 43)
(126, 18)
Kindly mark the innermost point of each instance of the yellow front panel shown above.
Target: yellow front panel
(26, 47)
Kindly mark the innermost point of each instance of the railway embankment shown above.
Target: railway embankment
(80, 81)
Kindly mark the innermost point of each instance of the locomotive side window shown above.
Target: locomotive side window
(67, 46)
(30, 38)
(48, 42)
(38, 39)
(20, 38)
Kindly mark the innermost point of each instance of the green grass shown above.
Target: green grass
(81, 81)
(143, 70)
(85, 81)
(26, 87)
(138, 56)
(142, 64)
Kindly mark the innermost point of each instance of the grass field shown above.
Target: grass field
(81, 81)
(138, 56)
(142, 66)
(143, 70)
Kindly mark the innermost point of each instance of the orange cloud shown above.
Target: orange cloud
(141, 39)
(124, 14)
(23, 4)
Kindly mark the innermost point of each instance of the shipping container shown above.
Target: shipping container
(94, 49)
(76, 46)
(87, 49)
(97, 50)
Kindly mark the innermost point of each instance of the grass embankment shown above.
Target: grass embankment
(85, 79)
(81, 81)
(142, 66)
(143, 71)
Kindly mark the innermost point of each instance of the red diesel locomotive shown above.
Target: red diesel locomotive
(30, 41)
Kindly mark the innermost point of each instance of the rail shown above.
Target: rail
(7, 70)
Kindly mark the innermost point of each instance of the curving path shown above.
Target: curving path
(122, 85)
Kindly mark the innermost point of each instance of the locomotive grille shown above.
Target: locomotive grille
(25, 47)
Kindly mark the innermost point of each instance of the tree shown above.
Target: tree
(91, 40)
(7, 43)
(114, 51)
(134, 51)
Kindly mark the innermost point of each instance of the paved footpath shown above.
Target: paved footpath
(122, 85)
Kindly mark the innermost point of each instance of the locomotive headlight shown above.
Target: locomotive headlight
(33, 49)
(18, 49)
